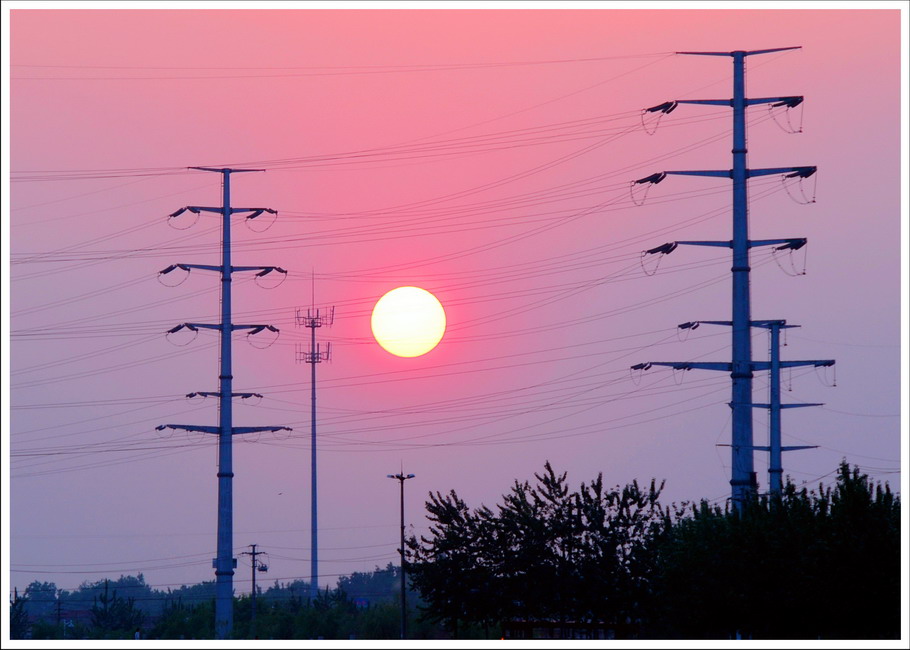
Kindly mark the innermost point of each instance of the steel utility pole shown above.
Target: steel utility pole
(224, 564)
(314, 318)
(775, 448)
(402, 477)
(743, 481)
(774, 405)
(262, 567)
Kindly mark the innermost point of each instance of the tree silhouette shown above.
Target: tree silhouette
(115, 614)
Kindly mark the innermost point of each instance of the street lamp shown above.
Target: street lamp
(401, 479)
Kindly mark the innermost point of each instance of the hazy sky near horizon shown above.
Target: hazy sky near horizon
(484, 155)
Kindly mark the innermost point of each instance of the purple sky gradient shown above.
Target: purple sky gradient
(484, 155)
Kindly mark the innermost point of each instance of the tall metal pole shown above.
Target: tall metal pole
(774, 406)
(314, 318)
(224, 562)
(404, 609)
(742, 477)
(402, 477)
(314, 543)
(775, 446)
(775, 460)
(224, 569)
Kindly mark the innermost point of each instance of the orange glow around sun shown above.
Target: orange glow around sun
(408, 321)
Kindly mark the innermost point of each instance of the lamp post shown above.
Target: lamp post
(402, 477)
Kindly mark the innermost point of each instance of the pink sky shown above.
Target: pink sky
(546, 302)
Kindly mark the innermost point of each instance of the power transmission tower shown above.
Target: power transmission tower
(224, 564)
(314, 318)
(261, 567)
(743, 480)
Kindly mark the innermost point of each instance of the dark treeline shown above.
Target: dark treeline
(548, 561)
(603, 563)
(363, 606)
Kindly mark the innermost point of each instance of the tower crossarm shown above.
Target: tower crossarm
(791, 243)
(744, 52)
(234, 170)
(210, 429)
(215, 393)
(187, 267)
(791, 172)
(709, 102)
(818, 363)
(789, 101)
(686, 365)
(786, 406)
(767, 448)
(241, 430)
(255, 211)
(196, 209)
(194, 327)
(723, 173)
(722, 244)
(669, 247)
(263, 270)
(767, 324)
(217, 326)
(692, 325)
(255, 329)
(189, 427)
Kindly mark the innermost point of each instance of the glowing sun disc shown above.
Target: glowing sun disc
(408, 321)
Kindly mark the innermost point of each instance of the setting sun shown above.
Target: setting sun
(408, 321)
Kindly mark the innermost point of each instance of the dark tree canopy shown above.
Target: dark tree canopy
(808, 565)
(803, 565)
(546, 554)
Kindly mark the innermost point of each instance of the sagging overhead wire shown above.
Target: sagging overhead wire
(139, 340)
(106, 370)
(95, 258)
(791, 247)
(105, 426)
(800, 176)
(789, 104)
(282, 273)
(547, 102)
(663, 250)
(259, 328)
(311, 71)
(659, 111)
(25, 176)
